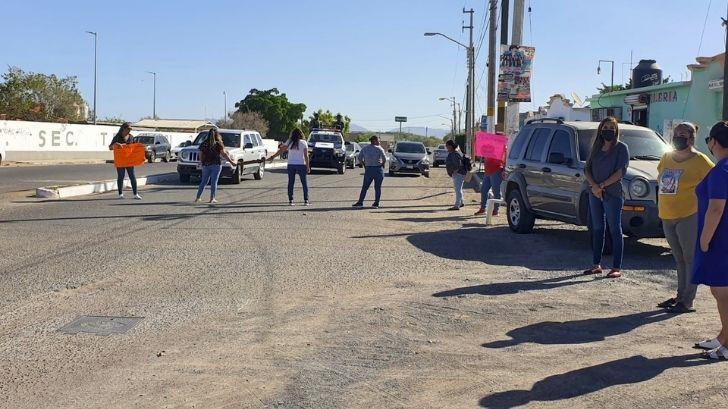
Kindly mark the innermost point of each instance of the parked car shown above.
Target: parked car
(352, 155)
(409, 157)
(326, 150)
(439, 156)
(157, 146)
(243, 146)
(545, 176)
(176, 150)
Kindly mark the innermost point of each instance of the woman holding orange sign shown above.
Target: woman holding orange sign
(121, 140)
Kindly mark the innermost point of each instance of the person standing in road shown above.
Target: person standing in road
(710, 266)
(456, 170)
(605, 168)
(210, 152)
(491, 181)
(680, 171)
(374, 159)
(298, 163)
(123, 137)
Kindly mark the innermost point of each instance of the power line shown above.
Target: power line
(700, 46)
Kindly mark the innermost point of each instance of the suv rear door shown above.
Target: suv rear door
(533, 165)
(562, 180)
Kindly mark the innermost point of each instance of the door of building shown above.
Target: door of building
(640, 116)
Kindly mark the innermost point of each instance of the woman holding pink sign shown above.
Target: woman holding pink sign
(493, 149)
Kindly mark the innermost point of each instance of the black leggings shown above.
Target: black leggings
(120, 179)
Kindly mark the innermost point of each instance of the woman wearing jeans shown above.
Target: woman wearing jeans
(298, 163)
(456, 170)
(210, 152)
(121, 138)
(680, 172)
(604, 171)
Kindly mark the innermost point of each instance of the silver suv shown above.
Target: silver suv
(545, 176)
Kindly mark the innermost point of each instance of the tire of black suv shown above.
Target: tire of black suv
(520, 219)
(341, 169)
(184, 178)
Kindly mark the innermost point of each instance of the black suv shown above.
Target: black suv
(158, 146)
(545, 176)
(326, 150)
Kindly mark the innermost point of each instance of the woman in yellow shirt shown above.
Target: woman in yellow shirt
(680, 172)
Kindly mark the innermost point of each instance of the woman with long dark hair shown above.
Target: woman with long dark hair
(605, 168)
(298, 163)
(210, 152)
(123, 137)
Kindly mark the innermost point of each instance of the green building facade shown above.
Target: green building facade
(661, 107)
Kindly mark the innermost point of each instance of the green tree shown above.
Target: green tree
(39, 97)
(326, 119)
(605, 89)
(274, 106)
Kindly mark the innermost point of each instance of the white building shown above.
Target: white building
(561, 108)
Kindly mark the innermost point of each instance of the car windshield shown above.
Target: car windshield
(147, 140)
(643, 144)
(229, 139)
(337, 140)
(441, 147)
(410, 148)
(350, 147)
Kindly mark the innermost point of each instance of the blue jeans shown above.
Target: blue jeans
(607, 212)
(302, 172)
(491, 181)
(372, 174)
(210, 173)
(120, 179)
(457, 181)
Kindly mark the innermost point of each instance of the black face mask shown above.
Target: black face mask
(609, 135)
(680, 143)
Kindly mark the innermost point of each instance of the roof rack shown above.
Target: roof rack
(542, 120)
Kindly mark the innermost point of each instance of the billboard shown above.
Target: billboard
(514, 79)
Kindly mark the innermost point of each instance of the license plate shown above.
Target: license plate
(409, 167)
(198, 166)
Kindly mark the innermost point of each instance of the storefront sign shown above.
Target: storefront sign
(715, 84)
(514, 79)
(665, 96)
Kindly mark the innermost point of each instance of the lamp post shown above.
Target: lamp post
(154, 96)
(599, 69)
(224, 117)
(96, 36)
(454, 112)
(470, 91)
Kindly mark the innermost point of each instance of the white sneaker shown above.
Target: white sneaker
(137, 197)
(121, 196)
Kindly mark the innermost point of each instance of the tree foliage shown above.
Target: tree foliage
(39, 97)
(245, 120)
(326, 119)
(274, 106)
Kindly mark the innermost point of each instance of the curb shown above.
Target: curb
(62, 192)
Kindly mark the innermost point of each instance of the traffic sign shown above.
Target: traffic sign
(400, 119)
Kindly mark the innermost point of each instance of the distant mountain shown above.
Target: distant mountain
(357, 128)
(421, 130)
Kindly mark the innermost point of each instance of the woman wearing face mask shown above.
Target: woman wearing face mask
(605, 168)
(710, 266)
(680, 172)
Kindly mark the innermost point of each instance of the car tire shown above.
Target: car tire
(167, 157)
(258, 175)
(391, 173)
(152, 157)
(237, 175)
(184, 178)
(520, 219)
(435, 165)
(341, 169)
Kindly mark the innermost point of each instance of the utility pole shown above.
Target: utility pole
(505, 11)
(725, 72)
(224, 117)
(96, 36)
(492, 63)
(154, 97)
(513, 111)
(470, 99)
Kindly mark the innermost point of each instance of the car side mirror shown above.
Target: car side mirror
(389, 150)
(248, 146)
(557, 158)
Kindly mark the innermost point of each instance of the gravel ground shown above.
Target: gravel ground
(253, 303)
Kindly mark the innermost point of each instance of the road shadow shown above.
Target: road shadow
(513, 287)
(547, 249)
(579, 331)
(634, 369)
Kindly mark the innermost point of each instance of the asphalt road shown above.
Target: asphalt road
(253, 303)
(21, 178)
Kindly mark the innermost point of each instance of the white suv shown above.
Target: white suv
(242, 145)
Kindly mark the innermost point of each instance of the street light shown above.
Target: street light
(96, 36)
(154, 97)
(599, 70)
(224, 94)
(454, 114)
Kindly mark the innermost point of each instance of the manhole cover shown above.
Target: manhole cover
(100, 325)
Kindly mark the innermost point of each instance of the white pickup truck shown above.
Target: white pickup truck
(242, 145)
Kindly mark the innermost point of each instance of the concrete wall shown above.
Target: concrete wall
(27, 141)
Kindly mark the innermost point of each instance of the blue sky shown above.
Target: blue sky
(365, 58)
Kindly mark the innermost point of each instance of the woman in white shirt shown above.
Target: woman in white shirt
(298, 163)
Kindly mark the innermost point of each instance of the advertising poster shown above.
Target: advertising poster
(514, 79)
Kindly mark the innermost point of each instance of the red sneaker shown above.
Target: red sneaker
(479, 212)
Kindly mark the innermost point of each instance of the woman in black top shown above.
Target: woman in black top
(605, 168)
(210, 152)
(122, 138)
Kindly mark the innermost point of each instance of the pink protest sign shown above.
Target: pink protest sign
(490, 146)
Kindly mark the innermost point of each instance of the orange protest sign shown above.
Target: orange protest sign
(129, 155)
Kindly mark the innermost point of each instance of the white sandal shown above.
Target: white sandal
(708, 344)
(718, 354)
